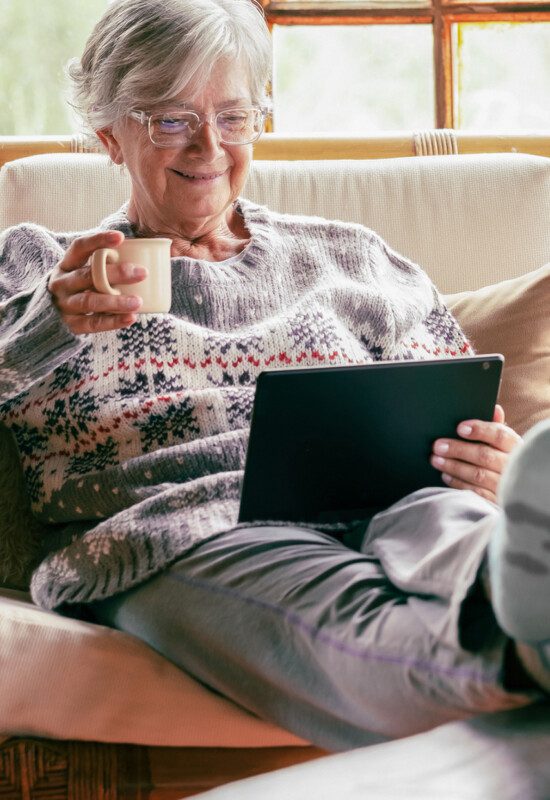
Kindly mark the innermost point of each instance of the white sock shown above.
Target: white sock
(519, 552)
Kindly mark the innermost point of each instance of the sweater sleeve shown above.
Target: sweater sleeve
(34, 340)
(424, 326)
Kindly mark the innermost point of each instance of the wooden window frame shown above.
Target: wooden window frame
(441, 14)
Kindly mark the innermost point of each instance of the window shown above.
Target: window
(340, 66)
(353, 87)
(406, 64)
(38, 38)
(503, 76)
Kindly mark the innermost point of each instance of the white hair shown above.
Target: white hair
(145, 52)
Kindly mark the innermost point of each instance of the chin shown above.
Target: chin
(205, 208)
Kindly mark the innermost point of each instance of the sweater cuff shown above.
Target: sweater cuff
(36, 342)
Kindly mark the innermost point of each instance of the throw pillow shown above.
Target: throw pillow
(20, 532)
(512, 318)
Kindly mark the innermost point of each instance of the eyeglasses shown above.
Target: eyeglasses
(177, 128)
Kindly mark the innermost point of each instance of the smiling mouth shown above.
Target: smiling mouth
(199, 176)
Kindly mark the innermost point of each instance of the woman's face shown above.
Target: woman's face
(186, 188)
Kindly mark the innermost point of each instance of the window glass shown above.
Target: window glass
(327, 78)
(38, 38)
(352, 78)
(503, 72)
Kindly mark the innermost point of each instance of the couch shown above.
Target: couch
(88, 712)
(500, 756)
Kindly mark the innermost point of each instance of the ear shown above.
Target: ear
(111, 145)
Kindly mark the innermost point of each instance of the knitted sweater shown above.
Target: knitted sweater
(133, 442)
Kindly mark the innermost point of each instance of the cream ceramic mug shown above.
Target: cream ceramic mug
(154, 254)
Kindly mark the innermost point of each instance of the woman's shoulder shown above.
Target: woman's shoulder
(295, 218)
(28, 251)
(30, 236)
(26, 237)
(295, 223)
(32, 233)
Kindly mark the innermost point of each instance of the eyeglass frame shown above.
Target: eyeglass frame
(144, 118)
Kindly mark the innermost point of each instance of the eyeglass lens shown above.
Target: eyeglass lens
(236, 125)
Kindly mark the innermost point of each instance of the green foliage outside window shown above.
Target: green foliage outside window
(37, 39)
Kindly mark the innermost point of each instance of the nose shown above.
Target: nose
(206, 141)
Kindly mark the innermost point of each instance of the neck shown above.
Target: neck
(212, 239)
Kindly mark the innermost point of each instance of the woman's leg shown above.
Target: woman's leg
(305, 632)
(519, 553)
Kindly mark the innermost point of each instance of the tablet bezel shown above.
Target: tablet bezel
(311, 440)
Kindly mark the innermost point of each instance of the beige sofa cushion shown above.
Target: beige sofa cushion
(512, 318)
(62, 678)
(468, 220)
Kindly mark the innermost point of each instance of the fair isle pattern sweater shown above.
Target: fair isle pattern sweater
(133, 442)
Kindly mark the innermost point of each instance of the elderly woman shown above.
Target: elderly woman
(132, 428)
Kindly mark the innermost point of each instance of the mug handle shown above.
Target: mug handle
(99, 270)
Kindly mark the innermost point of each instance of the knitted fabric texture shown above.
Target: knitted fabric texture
(133, 442)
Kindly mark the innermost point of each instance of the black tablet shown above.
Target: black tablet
(340, 443)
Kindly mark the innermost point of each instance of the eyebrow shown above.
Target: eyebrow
(187, 106)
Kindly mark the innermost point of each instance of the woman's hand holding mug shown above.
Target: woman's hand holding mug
(103, 281)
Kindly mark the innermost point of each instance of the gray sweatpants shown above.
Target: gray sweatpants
(343, 647)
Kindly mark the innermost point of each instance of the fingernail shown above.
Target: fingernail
(437, 461)
(446, 478)
(464, 430)
(138, 272)
(112, 237)
(441, 448)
